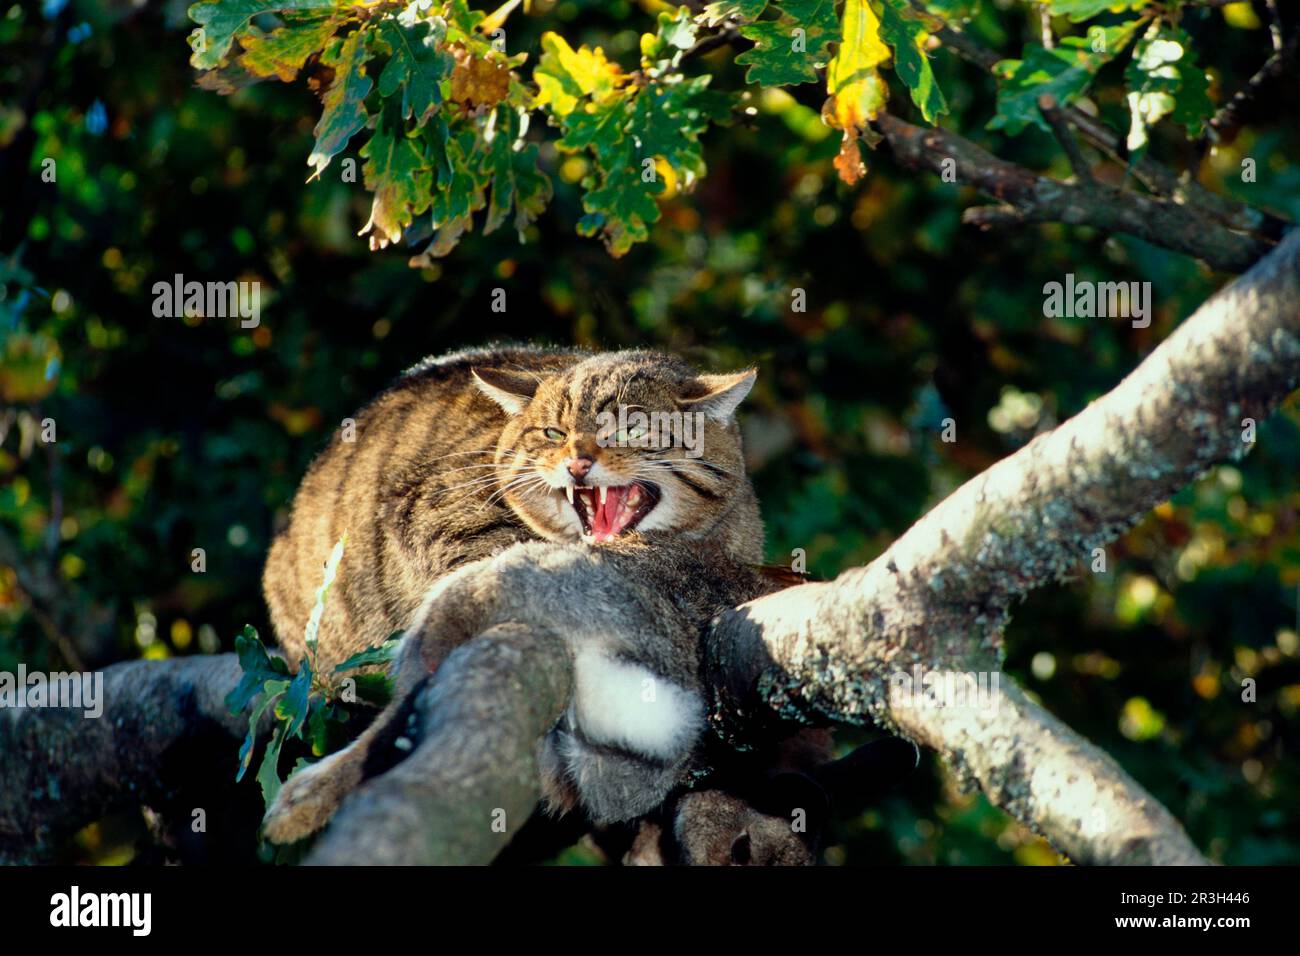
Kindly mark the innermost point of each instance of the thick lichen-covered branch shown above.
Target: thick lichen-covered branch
(938, 598)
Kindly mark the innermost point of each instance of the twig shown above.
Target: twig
(986, 217)
(1223, 127)
(1163, 222)
(724, 37)
(1275, 30)
(1052, 113)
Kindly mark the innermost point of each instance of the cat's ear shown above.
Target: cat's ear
(509, 389)
(718, 395)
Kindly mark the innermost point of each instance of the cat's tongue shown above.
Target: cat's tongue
(608, 519)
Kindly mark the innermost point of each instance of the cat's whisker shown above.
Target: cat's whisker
(481, 481)
(687, 463)
(490, 469)
(497, 470)
(519, 481)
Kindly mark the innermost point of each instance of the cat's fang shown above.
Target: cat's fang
(568, 490)
(607, 511)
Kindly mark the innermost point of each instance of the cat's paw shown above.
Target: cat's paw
(306, 802)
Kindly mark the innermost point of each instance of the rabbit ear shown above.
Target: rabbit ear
(511, 390)
(718, 395)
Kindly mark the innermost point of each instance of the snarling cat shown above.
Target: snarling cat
(640, 533)
(475, 451)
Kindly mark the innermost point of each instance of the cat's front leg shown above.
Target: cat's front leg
(309, 798)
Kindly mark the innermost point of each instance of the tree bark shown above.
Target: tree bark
(164, 729)
(1030, 197)
(940, 596)
(471, 781)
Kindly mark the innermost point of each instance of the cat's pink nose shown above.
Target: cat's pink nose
(578, 467)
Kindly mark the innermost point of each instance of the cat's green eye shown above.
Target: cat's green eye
(630, 434)
(554, 434)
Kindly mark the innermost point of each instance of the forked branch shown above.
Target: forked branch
(939, 597)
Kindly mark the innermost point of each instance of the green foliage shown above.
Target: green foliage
(222, 21)
(715, 13)
(517, 182)
(383, 654)
(903, 30)
(1164, 79)
(1064, 72)
(1081, 10)
(788, 49)
(344, 112)
(417, 66)
(302, 701)
(640, 131)
(397, 172)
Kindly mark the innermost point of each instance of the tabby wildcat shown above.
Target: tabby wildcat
(477, 450)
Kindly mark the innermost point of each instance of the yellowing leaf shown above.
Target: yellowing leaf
(857, 91)
(497, 18)
(1241, 15)
(220, 21)
(400, 177)
(564, 75)
(282, 52)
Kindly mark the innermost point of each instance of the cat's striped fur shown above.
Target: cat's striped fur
(454, 463)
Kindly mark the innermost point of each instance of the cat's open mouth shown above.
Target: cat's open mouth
(607, 511)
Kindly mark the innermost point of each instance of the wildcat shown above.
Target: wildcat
(472, 452)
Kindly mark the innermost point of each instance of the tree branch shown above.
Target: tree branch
(1042, 199)
(472, 780)
(940, 596)
(1051, 111)
(1226, 122)
(164, 728)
